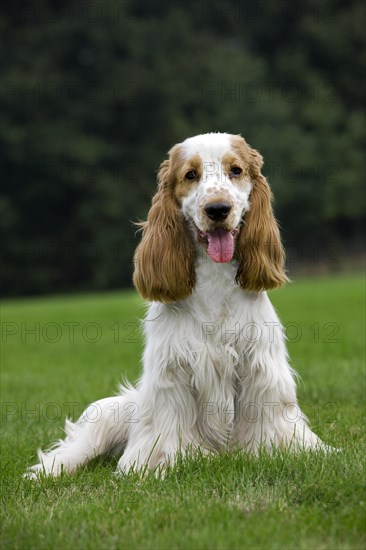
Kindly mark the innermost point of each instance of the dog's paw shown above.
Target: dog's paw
(35, 472)
(49, 465)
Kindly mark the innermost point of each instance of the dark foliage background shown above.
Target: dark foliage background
(95, 92)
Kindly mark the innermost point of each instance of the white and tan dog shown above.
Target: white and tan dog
(215, 366)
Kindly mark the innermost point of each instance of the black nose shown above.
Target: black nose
(217, 211)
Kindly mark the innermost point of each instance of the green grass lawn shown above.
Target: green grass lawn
(81, 346)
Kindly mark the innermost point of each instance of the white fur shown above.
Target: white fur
(215, 369)
(214, 182)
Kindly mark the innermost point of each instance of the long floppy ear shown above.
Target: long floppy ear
(259, 249)
(164, 259)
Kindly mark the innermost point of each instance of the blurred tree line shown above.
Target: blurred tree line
(94, 93)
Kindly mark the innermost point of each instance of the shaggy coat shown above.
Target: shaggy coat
(215, 366)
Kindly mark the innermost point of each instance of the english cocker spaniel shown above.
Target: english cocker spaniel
(215, 366)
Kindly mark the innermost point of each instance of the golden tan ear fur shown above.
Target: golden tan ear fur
(259, 249)
(164, 259)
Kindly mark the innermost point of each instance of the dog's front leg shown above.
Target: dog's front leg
(267, 413)
(167, 410)
(163, 427)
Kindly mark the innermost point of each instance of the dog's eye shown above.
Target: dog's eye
(235, 171)
(191, 175)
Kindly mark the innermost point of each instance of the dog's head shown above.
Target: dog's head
(211, 196)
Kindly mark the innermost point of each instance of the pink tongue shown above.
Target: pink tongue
(220, 246)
